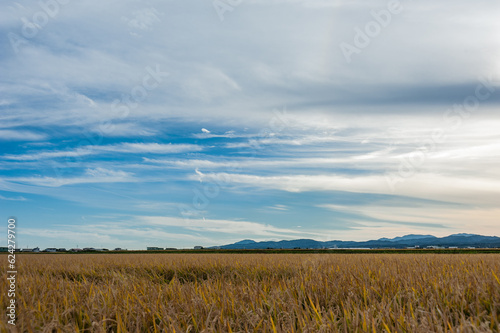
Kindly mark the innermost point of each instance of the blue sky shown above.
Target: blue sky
(181, 123)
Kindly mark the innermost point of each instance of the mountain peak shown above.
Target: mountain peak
(245, 241)
(463, 235)
(407, 237)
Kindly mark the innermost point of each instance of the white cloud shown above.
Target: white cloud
(13, 198)
(126, 130)
(99, 175)
(269, 164)
(153, 148)
(223, 226)
(101, 172)
(279, 207)
(470, 190)
(404, 218)
(20, 135)
(130, 148)
(80, 152)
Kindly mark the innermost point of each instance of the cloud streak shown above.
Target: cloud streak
(124, 148)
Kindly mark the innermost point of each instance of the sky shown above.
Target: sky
(181, 123)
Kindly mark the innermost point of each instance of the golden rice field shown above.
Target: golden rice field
(257, 293)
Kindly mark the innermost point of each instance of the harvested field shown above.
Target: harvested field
(257, 293)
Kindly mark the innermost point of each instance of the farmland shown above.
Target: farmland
(211, 292)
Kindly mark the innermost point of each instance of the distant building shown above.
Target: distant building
(4, 249)
(61, 249)
(170, 249)
(75, 250)
(358, 248)
(198, 247)
(154, 248)
(36, 249)
(50, 249)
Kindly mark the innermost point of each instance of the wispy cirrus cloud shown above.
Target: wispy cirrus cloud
(19, 198)
(470, 190)
(21, 135)
(98, 175)
(420, 217)
(125, 148)
(80, 152)
(223, 226)
(153, 148)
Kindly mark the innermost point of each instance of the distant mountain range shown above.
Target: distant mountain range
(456, 240)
